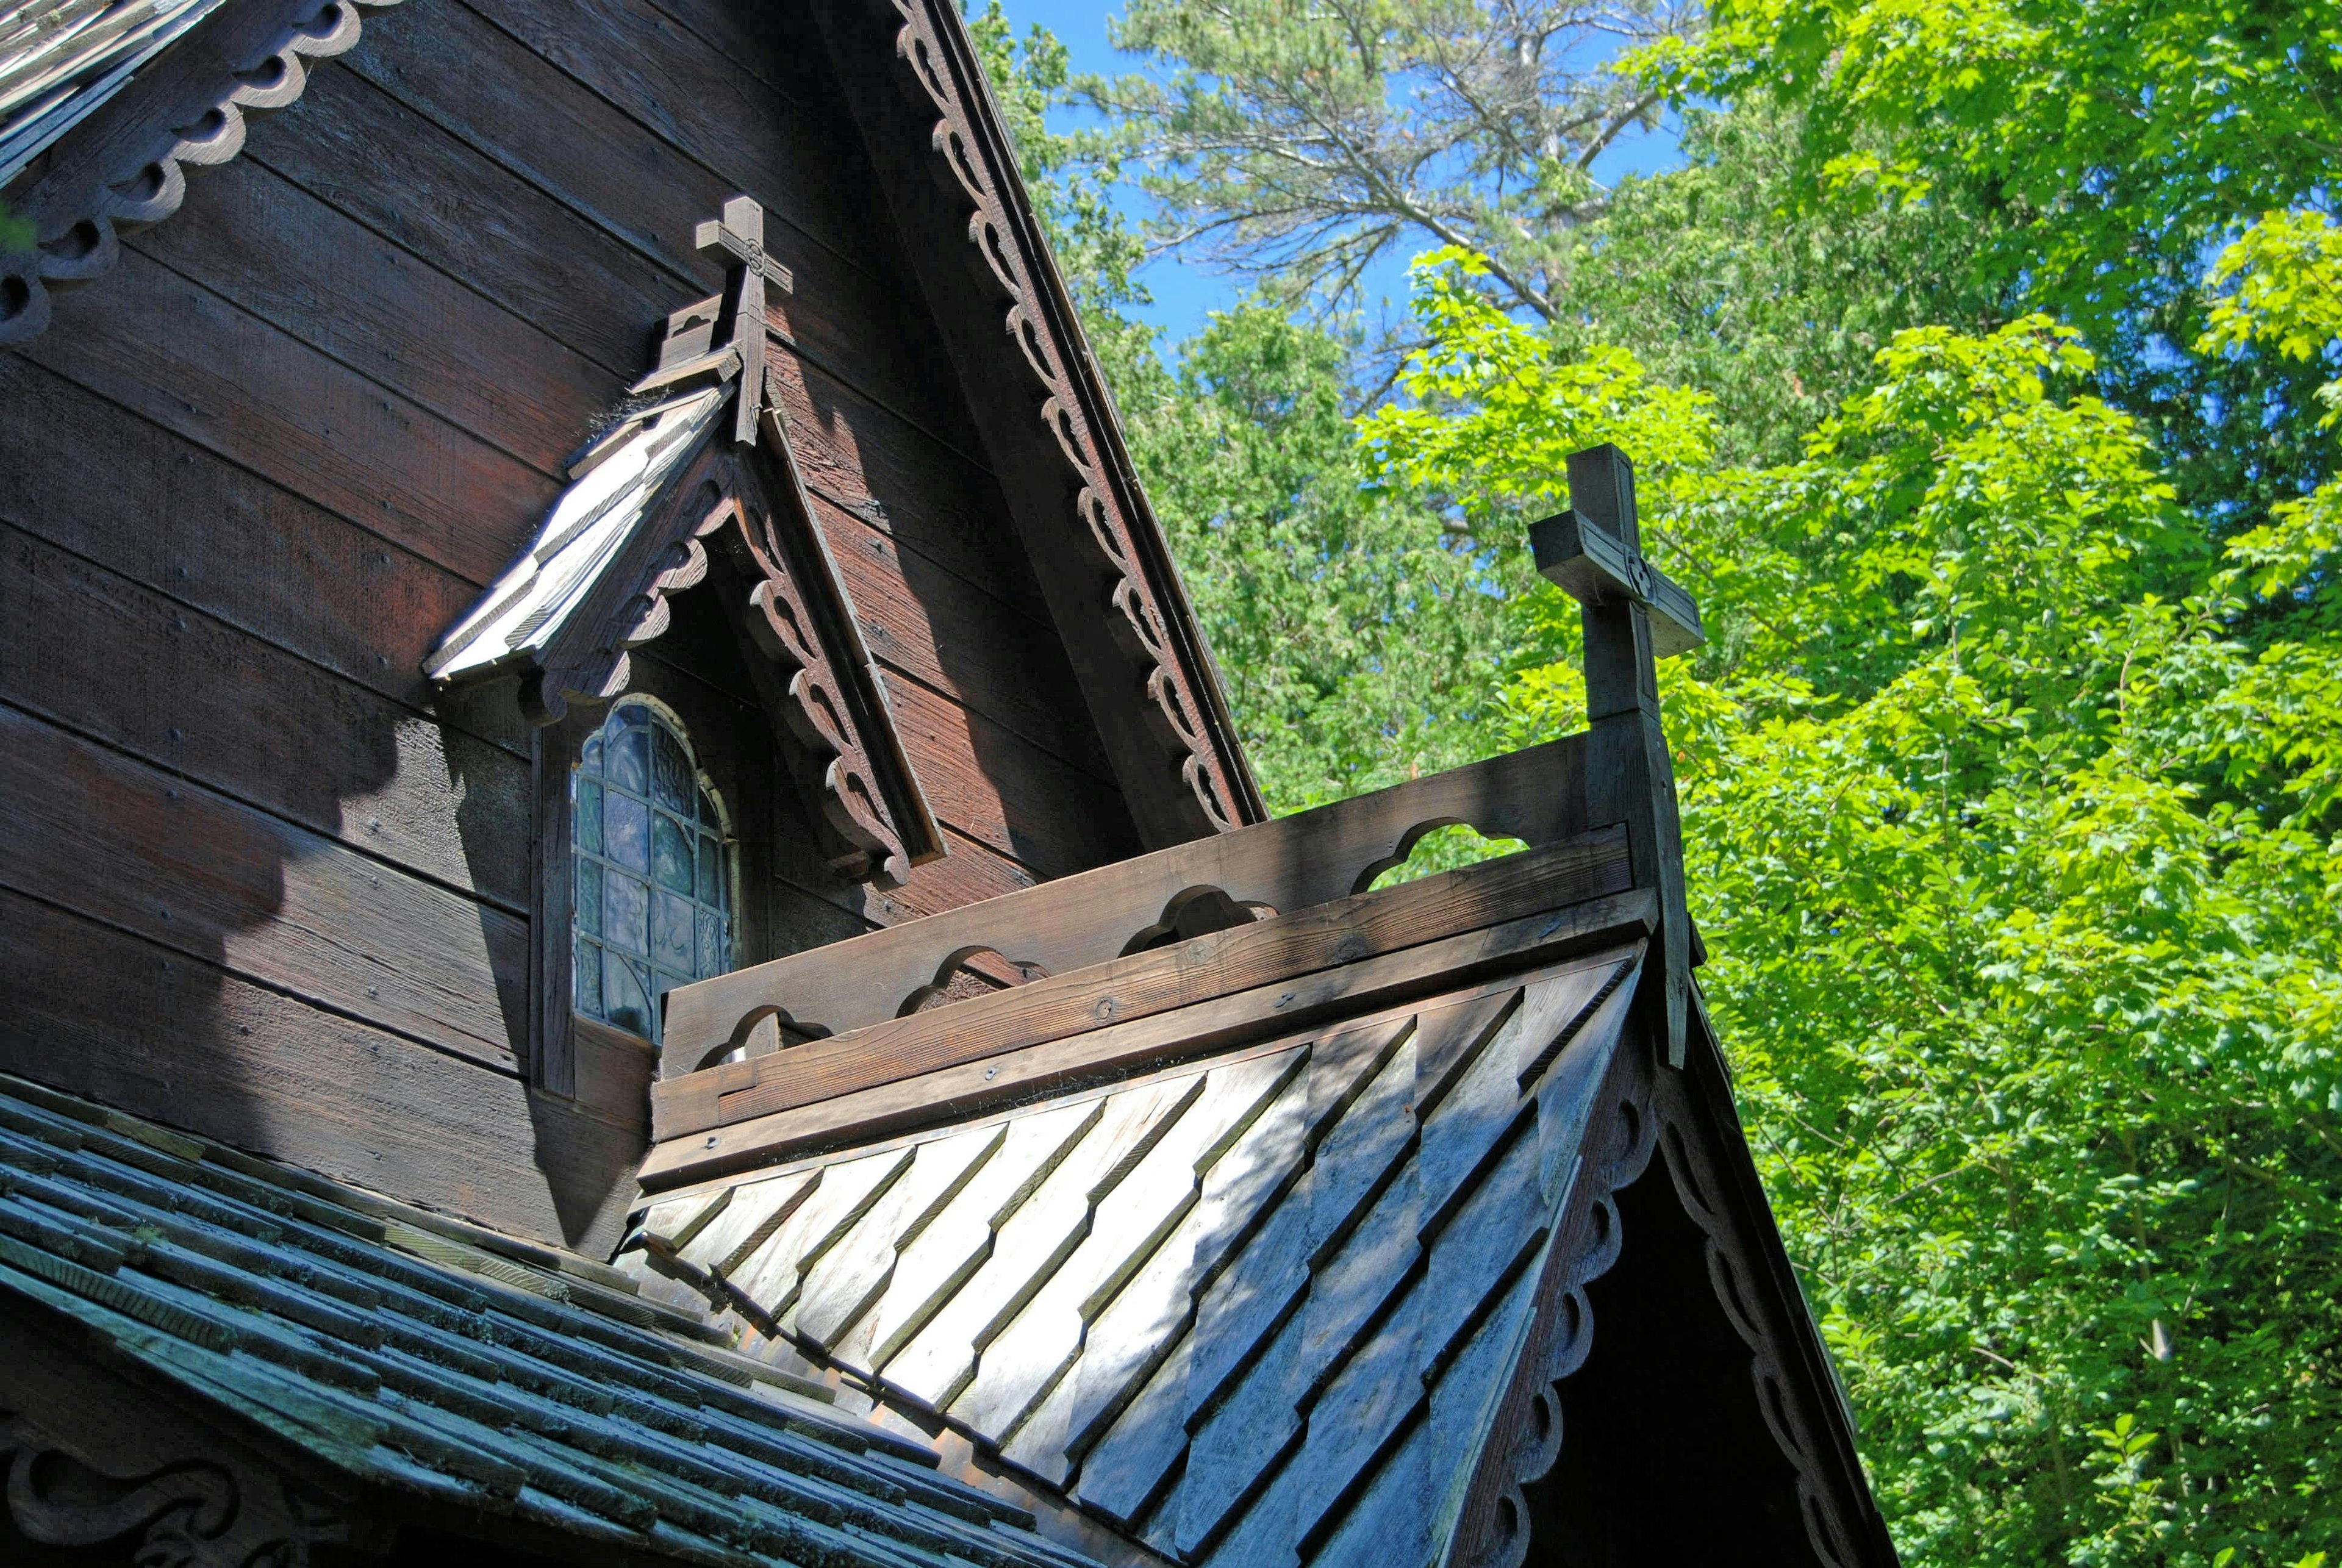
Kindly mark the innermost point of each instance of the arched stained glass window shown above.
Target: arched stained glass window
(654, 868)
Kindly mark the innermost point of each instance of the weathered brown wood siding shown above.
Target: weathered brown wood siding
(256, 877)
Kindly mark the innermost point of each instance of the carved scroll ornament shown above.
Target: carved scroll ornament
(124, 168)
(197, 1513)
(1131, 586)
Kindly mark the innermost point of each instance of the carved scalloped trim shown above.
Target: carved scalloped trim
(1133, 610)
(1696, 1186)
(600, 670)
(84, 245)
(782, 625)
(1642, 1112)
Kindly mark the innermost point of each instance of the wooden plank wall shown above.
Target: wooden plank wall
(256, 878)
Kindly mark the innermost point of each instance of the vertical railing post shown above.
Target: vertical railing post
(1633, 617)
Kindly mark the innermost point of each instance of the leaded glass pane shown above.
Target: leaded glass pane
(627, 768)
(588, 963)
(711, 874)
(627, 822)
(628, 1008)
(589, 897)
(710, 943)
(626, 910)
(653, 875)
(672, 785)
(589, 816)
(670, 855)
(671, 941)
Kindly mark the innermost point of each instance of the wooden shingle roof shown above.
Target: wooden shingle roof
(1260, 1311)
(401, 1362)
(1277, 1219)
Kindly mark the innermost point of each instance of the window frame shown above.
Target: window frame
(704, 810)
(730, 743)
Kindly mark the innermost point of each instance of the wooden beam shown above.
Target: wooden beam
(1285, 865)
(1222, 963)
(1595, 552)
(1238, 1021)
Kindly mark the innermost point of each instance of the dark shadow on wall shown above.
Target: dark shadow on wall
(252, 883)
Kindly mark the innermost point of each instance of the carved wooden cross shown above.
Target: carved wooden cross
(1633, 618)
(738, 240)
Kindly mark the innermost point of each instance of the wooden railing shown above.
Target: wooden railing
(1291, 864)
(1167, 956)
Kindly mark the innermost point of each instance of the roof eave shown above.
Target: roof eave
(911, 79)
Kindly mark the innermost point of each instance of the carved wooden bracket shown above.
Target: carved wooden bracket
(195, 1513)
(1642, 1112)
(124, 168)
(654, 503)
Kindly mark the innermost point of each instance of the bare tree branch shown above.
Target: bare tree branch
(1297, 142)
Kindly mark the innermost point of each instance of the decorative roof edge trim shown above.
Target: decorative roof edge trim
(1152, 621)
(1524, 1431)
(647, 501)
(124, 168)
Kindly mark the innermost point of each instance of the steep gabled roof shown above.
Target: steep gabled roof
(1047, 418)
(706, 464)
(1326, 1300)
(406, 1368)
(1279, 1219)
(1251, 1310)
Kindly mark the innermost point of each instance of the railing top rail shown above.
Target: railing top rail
(1199, 997)
(1295, 863)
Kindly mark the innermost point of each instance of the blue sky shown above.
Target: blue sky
(1184, 292)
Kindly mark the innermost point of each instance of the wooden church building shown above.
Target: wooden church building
(632, 929)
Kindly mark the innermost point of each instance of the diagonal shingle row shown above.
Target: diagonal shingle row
(419, 1355)
(1256, 1312)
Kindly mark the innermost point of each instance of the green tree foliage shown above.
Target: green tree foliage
(1707, 276)
(2114, 144)
(1298, 140)
(2012, 777)
(1070, 180)
(2284, 274)
(2022, 882)
(1357, 637)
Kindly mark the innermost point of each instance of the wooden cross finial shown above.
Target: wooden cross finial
(1594, 553)
(738, 241)
(1633, 617)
